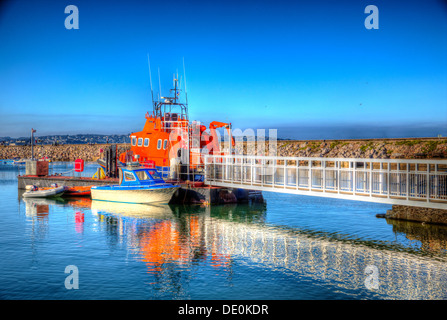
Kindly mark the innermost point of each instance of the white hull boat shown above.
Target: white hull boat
(45, 193)
(137, 185)
(132, 194)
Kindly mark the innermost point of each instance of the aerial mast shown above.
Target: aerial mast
(184, 75)
(159, 83)
(150, 78)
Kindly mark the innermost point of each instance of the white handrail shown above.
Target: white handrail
(403, 181)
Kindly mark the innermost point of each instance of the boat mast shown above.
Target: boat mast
(165, 103)
(184, 76)
(150, 78)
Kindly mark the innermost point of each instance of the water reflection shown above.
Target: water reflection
(175, 242)
(164, 235)
(134, 210)
(39, 208)
(429, 237)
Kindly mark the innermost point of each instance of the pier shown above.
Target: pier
(408, 182)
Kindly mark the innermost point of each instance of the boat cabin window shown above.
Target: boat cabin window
(142, 175)
(155, 175)
(140, 142)
(159, 144)
(128, 176)
(165, 144)
(134, 141)
(146, 142)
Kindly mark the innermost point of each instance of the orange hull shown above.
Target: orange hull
(77, 191)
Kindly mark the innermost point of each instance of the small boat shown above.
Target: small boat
(44, 192)
(137, 185)
(19, 162)
(77, 191)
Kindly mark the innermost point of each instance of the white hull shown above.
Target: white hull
(44, 193)
(143, 195)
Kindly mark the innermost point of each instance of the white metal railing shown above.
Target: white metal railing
(396, 181)
(179, 125)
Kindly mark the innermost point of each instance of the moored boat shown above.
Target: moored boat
(77, 191)
(137, 185)
(44, 192)
(171, 143)
(19, 162)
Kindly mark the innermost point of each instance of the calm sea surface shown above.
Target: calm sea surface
(290, 247)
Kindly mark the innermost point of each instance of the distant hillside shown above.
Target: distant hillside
(67, 139)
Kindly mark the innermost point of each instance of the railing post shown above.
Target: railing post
(310, 174)
(206, 170)
(262, 171)
(323, 164)
(408, 181)
(297, 174)
(365, 180)
(353, 170)
(243, 172)
(427, 184)
(251, 170)
(388, 184)
(338, 176)
(436, 182)
(274, 174)
(371, 164)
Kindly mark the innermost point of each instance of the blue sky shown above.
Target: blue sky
(307, 68)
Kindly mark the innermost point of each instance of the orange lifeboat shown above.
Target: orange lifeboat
(168, 134)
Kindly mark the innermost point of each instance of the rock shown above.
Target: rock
(427, 215)
(325, 151)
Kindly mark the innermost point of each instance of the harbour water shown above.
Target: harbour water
(290, 247)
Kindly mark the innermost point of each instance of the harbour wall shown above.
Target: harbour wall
(404, 148)
(411, 148)
(64, 152)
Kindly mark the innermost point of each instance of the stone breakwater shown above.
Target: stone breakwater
(66, 152)
(426, 215)
(374, 148)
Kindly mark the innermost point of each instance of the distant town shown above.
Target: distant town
(65, 139)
